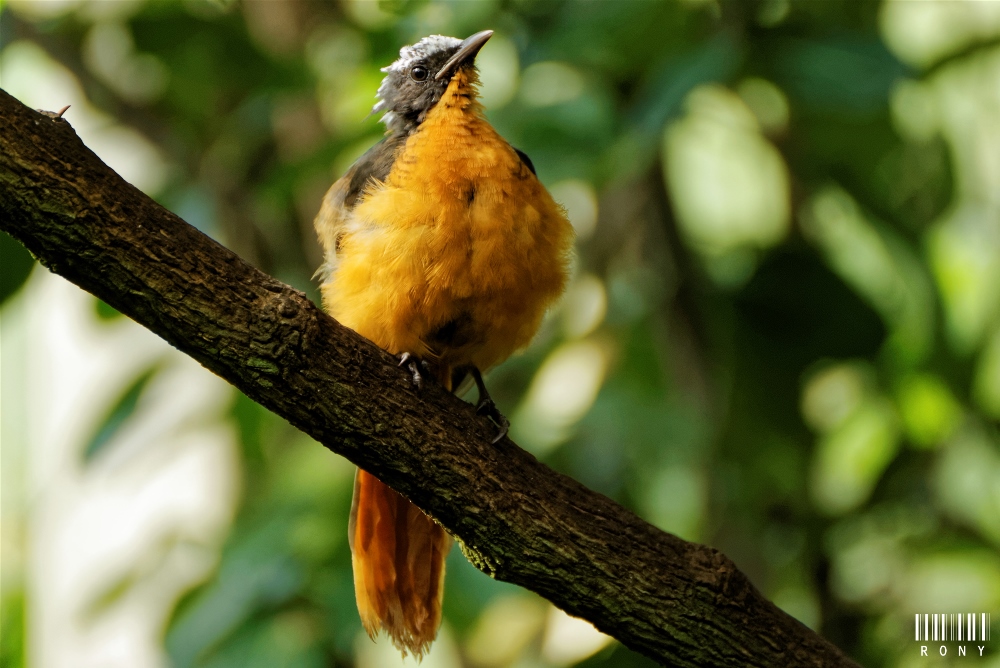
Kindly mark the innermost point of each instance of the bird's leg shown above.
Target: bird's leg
(486, 406)
(415, 365)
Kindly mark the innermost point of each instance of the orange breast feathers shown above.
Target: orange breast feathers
(456, 256)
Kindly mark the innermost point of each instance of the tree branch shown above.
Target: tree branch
(518, 520)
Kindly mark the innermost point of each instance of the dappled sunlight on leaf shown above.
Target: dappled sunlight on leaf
(965, 255)
(929, 411)
(584, 306)
(850, 459)
(967, 481)
(569, 640)
(959, 580)
(879, 265)
(832, 395)
(560, 394)
(580, 201)
(986, 389)
(923, 32)
(729, 185)
(505, 628)
(675, 501)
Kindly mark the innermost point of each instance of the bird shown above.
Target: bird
(442, 247)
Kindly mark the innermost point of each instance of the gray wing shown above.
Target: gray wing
(344, 194)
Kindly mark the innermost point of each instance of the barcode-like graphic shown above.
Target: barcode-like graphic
(968, 627)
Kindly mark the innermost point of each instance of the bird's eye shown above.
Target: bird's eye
(418, 73)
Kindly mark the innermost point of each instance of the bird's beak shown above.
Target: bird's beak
(470, 47)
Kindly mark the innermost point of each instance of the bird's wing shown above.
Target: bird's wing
(373, 167)
(525, 159)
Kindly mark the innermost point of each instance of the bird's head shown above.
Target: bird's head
(418, 79)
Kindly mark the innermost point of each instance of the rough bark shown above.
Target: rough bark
(518, 520)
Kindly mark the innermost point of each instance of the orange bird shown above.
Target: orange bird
(442, 247)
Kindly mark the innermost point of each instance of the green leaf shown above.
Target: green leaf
(118, 415)
(16, 262)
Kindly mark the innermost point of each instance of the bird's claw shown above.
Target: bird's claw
(412, 363)
(486, 406)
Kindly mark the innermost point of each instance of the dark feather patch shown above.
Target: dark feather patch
(454, 333)
(525, 159)
(375, 164)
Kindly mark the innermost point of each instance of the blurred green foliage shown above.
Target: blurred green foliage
(119, 413)
(17, 265)
(783, 336)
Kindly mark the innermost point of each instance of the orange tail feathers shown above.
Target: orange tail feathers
(398, 554)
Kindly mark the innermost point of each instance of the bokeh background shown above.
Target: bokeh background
(782, 337)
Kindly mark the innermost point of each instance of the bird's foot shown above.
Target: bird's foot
(486, 406)
(415, 366)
